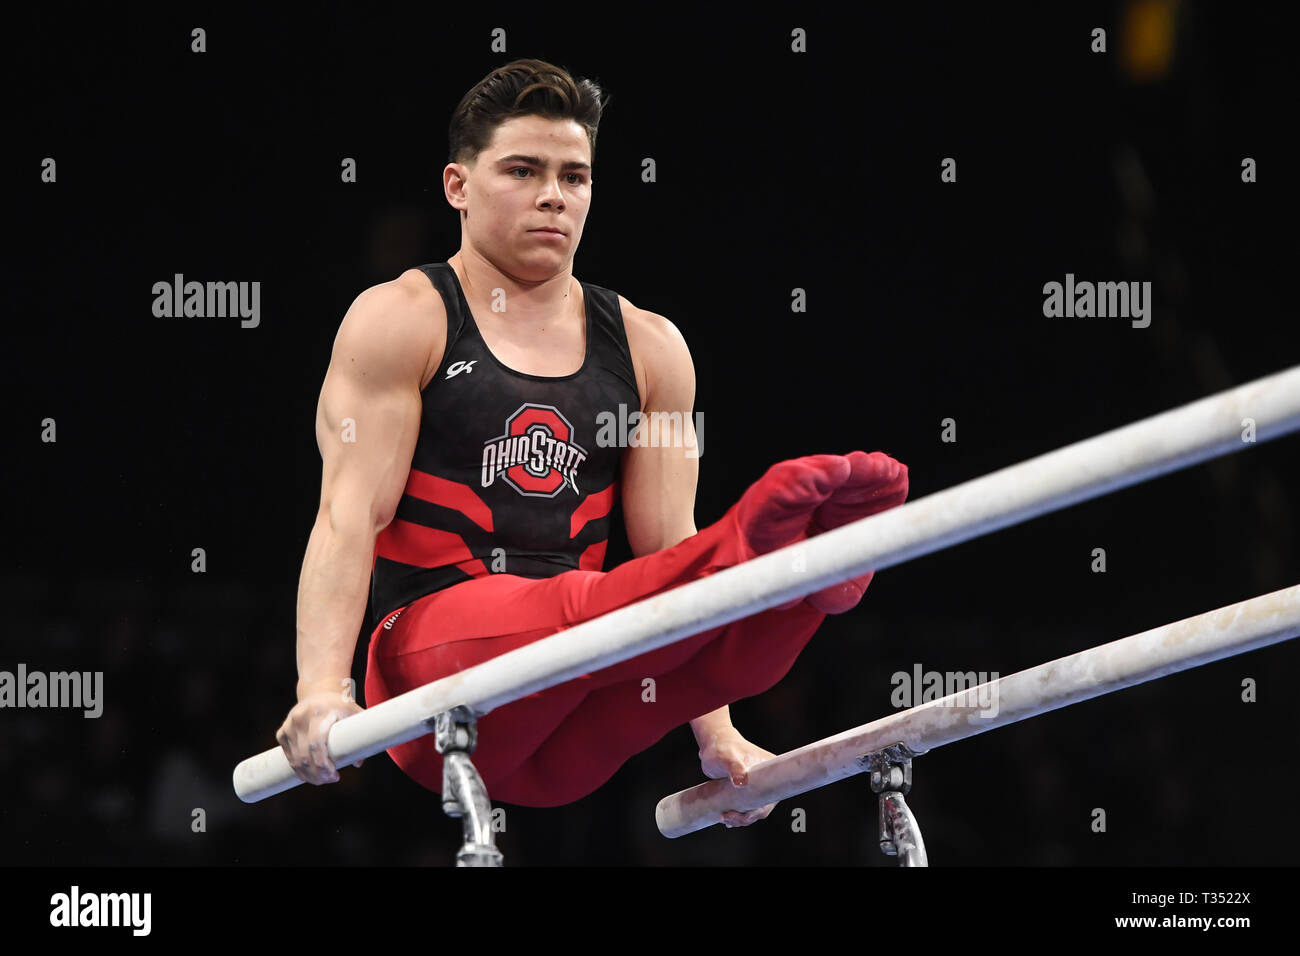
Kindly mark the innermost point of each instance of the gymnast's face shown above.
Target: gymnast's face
(536, 172)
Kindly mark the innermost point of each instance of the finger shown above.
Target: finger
(303, 765)
(359, 762)
(322, 767)
(304, 770)
(321, 747)
(290, 755)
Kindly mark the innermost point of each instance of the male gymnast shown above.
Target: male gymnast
(464, 484)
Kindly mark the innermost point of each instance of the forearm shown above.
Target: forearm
(706, 726)
(331, 603)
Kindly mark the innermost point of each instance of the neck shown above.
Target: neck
(525, 299)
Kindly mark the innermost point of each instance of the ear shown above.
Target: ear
(454, 179)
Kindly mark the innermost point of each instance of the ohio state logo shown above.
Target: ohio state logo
(537, 455)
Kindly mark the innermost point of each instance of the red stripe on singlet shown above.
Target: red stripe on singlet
(449, 494)
(595, 505)
(593, 556)
(420, 546)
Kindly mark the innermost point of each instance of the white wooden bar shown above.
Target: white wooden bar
(1186, 435)
(1158, 652)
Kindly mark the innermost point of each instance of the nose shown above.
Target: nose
(551, 196)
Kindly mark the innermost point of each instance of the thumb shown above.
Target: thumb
(739, 775)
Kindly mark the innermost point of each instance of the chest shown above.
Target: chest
(552, 348)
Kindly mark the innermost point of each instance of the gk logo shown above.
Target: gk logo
(455, 368)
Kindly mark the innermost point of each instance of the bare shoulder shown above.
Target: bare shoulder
(659, 351)
(405, 318)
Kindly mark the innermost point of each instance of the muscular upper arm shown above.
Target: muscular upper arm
(660, 474)
(368, 416)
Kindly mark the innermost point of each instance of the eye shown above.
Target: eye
(576, 179)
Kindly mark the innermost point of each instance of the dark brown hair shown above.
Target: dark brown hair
(522, 88)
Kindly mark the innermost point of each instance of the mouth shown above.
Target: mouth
(553, 232)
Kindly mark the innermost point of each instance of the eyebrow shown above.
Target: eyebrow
(537, 161)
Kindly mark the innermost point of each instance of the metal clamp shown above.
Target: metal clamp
(891, 778)
(463, 795)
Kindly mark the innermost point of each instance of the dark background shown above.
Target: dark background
(775, 171)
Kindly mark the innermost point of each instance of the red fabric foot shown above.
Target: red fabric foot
(776, 510)
(876, 483)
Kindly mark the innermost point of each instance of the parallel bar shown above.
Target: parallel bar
(1159, 652)
(1195, 432)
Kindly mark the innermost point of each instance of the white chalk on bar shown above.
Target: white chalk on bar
(1156, 653)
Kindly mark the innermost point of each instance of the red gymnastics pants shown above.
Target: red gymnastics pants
(562, 743)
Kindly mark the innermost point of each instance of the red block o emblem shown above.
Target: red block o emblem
(531, 477)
